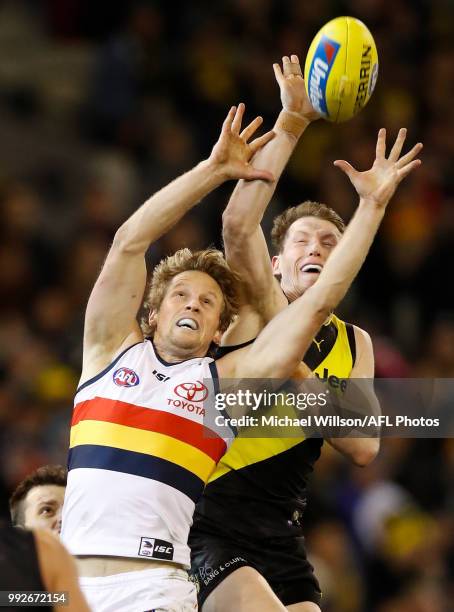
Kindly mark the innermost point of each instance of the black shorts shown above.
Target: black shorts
(281, 561)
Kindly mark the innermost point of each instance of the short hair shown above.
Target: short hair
(210, 261)
(45, 475)
(282, 222)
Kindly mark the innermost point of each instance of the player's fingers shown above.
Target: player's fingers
(345, 167)
(403, 172)
(291, 66)
(397, 147)
(381, 144)
(258, 143)
(237, 119)
(226, 126)
(251, 128)
(278, 73)
(286, 65)
(405, 159)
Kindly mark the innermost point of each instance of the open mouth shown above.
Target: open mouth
(188, 323)
(312, 268)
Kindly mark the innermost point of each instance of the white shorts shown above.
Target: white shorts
(152, 590)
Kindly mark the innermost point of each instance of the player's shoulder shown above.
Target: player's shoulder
(359, 340)
(362, 337)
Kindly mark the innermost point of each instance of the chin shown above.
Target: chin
(307, 282)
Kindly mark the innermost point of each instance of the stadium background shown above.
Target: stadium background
(101, 103)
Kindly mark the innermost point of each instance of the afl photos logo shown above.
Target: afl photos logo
(124, 377)
(193, 392)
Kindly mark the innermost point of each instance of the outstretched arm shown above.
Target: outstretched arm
(110, 320)
(283, 342)
(245, 246)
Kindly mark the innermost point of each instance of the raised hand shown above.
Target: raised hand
(378, 184)
(232, 152)
(293, 90)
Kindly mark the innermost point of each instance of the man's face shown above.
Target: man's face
(189, 315)
(42, 507)
(308, 244)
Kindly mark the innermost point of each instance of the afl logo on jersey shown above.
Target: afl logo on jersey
(124, 377)
(193, 392)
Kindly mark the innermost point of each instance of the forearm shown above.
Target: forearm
(360, 451)
(166, 207)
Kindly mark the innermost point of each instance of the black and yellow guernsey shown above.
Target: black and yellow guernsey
(258, 489)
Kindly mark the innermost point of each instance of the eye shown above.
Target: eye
(46, 510)
(329, 244)
(207, 301)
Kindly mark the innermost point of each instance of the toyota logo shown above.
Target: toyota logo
(193, 391)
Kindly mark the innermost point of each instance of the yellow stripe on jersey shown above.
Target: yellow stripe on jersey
(339, 361)
(103, 433)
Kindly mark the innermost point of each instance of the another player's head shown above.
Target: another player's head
(192, 300)
(304, 237)
(38, 500)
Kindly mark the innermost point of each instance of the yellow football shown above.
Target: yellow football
(341, 69)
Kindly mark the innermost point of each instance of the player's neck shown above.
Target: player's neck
(173, 354)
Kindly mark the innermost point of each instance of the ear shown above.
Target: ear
(275, 262)
(153, 319)
(217, 337)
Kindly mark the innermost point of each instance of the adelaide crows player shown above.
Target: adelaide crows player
(246, 541)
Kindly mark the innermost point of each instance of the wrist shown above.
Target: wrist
(214, 172)
(372, 204)
(292, 123)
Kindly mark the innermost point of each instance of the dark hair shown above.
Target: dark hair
(283, 221)
(45, 475)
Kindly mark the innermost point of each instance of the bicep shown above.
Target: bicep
(112, 308)
(365, 363)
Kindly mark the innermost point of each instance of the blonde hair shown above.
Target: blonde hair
(210, 261)
(308, 208)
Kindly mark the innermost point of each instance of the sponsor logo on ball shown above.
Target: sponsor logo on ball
(125, 377)
(364, 78)
(321, 66)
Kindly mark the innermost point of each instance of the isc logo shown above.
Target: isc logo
(124, 377)
(158, 549)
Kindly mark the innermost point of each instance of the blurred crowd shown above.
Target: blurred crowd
(102, 103)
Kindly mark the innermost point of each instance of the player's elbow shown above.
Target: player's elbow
(234, 231)
(125, 242)
(365, 452)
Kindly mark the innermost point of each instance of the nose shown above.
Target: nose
(192, 305)
(314, 248)
(57, 523)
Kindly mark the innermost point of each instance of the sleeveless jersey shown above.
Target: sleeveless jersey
(140, 456)
(259, 487)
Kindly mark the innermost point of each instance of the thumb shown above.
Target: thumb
(345, 167)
